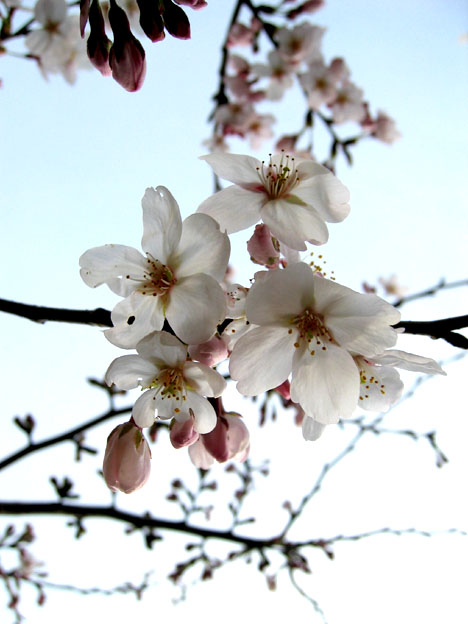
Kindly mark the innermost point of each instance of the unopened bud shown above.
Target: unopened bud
(175, 20)
(210, 352)
(183, 433)
(263, 248)
(127, 458)
(126, 56)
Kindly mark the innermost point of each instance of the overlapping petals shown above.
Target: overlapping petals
(293, 197)
(312, 328)
(177, 280)
(174, 387)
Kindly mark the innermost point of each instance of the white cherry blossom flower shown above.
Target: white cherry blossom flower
(174, 387)
(311, 327)
(293, 197)
(177, 280)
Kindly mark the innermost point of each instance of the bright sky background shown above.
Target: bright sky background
(75, 164)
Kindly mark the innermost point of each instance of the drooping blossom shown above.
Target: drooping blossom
(293, 197)
(280, 73)
(229, 440)
(310, 327)
(127, 459)
(348, 104)
(319, 82)
(174, 387)
(177, 280)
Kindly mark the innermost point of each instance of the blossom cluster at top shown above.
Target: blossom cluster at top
(322, 345)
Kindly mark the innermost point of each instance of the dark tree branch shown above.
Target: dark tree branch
(41, 314)
(442, 328)
(67, 435)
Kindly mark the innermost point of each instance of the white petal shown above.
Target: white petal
(360, 323)
(204, 379)
(163, 350)
(196, 306)
(293, 224)
(326, 384)
(280, 295)
(327, 195)
(102, 265)
(235, 330)
(409, 361)
(200, 456)
(144, 408)
(311, 429)
(202, 248)
(162, 224)
(234, 208)
(236, 168)
(380, 388)
(262, 359)
(203, 411)
(130, 371)
(134, 318)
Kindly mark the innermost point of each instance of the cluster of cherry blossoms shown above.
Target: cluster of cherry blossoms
(324, 347)
(295, 60)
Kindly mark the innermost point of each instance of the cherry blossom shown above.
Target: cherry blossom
(293, 197)
(177, 280)
(311, 327)
(174, 387)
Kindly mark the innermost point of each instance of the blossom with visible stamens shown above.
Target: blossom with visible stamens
(312, 330)
(174, 387)
(178, 280)
(293, 197)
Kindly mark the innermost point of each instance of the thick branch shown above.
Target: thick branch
(442, 328)
(41, 314)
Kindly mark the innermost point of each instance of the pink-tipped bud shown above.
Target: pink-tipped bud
(127, 460)
(98, 43)
(229, 440)
(210, 353)
(183, 432)
(126, 56)
(151, 20)
(264, 248)
(175, 20)
(193, 4)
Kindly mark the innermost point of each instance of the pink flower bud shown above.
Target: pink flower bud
(175, 20)
(210, 353)
(127, 458)
(228, 440)
(151, 20)
(284, 390)
(98, 43)
(263, 248)
(183, 432)
(126, 56)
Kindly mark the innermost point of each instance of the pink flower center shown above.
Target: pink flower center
(278, 180)
(311, 327)
(158, 279)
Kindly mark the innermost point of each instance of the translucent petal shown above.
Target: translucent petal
(262, 359)
(130, 371)
(144, 409)
(204, 379)
(163, 350)
(234, 208)
(202, 248)
(237, 168)
(409, 361)
(134, 318)
(281, 295)
(195, 307)
(326, 384)
(103, 264)
(293, 224)
(203, 411)
(162, 225)
(328, 196)
(380, 388)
